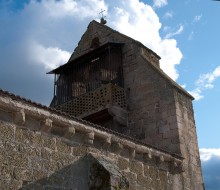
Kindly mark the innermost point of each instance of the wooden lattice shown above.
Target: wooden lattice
(99, 98)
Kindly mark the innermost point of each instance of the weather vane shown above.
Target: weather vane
(102, 20)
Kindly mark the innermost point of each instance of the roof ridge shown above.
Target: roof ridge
(124, 35)
(170, 80)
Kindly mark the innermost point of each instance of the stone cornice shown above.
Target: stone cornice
(19, 109)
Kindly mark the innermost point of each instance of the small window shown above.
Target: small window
(95, 43)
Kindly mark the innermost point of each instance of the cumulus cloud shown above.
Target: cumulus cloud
(208, 153)
(81, 9)
(205, 82)
(159, 3)
(49, 57)
(210, 165)
(139, 21)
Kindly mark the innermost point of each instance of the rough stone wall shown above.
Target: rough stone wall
(30, 160)
(188, 141)
(43, 149)
(162, 115)
(151, 104)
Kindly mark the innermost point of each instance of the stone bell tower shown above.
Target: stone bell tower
(116, 82)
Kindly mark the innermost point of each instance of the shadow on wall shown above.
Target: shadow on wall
(87, 173)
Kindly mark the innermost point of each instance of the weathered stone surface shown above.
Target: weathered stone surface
(62, 147)
(123, 163)
(46, 125)
(7, 131)
(19, 117)
(23, 174)
(137, 167)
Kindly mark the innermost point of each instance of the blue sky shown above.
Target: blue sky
(39, 35)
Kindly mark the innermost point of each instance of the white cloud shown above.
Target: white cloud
(197, 18)
(172, 34)
(196, 93)
(81, 9)
(205, 82)
(210, 159)
(49, 57)
(139, 21)
(207, 153)
(159, 3)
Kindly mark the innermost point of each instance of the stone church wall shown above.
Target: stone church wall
(41, 148)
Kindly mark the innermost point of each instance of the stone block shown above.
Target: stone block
(144, 181)
(4, 183)
(153, 173)
(24, 136)
(51, 166)
(46, 125)
(137, 167)
(132, 178)
(7, 131)
(163, 179)
(6, 171)
(56, 156)
(17, 159)
(49, 142)
(23, 174)
(69, 132)
(62, 147)
(118, 147)
(29, 151)
(123, 163)
(89, 138)
(36, 163)
(39, 175)
(79, 151)
(10, 147)
(46, 153)
(19, 117)
(3, 156)
(14, 184)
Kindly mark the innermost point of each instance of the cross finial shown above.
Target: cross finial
(102, 20)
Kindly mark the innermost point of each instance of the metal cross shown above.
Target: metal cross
(102, 11)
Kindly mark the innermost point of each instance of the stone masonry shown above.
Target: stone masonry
(42, 148)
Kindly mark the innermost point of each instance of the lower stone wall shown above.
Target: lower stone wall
(32, 160)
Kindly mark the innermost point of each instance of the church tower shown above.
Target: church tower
(115, 81)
